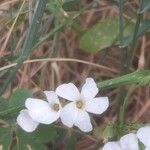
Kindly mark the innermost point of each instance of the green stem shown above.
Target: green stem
(135, 36)
(122, 65)
(123, 107)
(28, 44)
(132, 78)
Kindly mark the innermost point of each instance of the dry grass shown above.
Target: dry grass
(42, 75)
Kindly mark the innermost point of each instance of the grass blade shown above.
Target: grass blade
(28, 44)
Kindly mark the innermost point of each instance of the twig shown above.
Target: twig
(61, 60)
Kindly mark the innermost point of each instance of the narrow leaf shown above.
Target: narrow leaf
(132, 78)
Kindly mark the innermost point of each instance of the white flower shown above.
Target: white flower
(75, 113)
(144, 136)
(127, 142)
(26, 122)
(40, 111)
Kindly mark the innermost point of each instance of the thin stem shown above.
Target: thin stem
(60, 60)
(122, 63)
(135, 35)
(122, 113)
(28, 44)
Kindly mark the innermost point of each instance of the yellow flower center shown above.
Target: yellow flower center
(79, 104)
(55, 107)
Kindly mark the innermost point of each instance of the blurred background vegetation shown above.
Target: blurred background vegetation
(66, 41)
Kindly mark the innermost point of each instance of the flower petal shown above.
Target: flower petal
(97, 105)
(129, 142)
(147, 147)
(68, 91)
(112, 146)
(89, 89)
(144, 135)
(26, 122)
(83, 121)
(69, 114)
(51, 97)
(41, 111)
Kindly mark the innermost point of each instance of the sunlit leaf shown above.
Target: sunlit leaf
(100, 36)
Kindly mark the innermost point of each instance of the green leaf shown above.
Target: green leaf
(72, 141)
(134, 126)
(5, 138)
(137, 77)
(71, 5)
(19, 21)
(18, 97)
(3, 104)
(100, 36)
(141, 146)
(52, 6)
(145, 6)
(44, 133)
(36, 140)
(106, 133)
(16, 102)
(24, 142)
(143, 29)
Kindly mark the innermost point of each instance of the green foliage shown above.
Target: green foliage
(5, 138)
(37, 139)
(141, 146)
(29, 41)
(53, 6)
(138, 77)
(3, 104)
(19, 21)
(100, 36)
(106, 133)
(143, 29)
(71, 5)
(72, 141)
(145, 6)
(15, 103)
(18, 97)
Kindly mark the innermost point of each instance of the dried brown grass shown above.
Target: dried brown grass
(46, 75)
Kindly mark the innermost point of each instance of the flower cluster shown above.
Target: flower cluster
(74, 113)
(130, 141)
